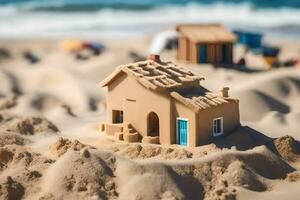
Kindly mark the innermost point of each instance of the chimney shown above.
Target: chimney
(224, 92)
(155, 57)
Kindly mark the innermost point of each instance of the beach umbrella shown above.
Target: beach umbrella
(72, 45)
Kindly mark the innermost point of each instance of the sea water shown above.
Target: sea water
(126, 18)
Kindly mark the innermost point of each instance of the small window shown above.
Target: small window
(117, 116)
(218, 126)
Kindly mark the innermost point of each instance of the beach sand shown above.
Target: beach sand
(51, 148)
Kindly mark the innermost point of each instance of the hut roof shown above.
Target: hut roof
(206, 33)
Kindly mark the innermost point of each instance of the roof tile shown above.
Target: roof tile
(171, 78)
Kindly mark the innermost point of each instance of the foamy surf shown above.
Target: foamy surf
(30, 21)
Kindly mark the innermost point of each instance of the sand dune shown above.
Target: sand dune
(277, 91)
(50, 147)
(87, 172)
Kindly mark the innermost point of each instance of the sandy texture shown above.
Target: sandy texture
(50, 146)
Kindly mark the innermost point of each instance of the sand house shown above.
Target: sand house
(159, 102)
(205, 44)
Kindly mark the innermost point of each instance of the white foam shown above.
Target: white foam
(16, 23)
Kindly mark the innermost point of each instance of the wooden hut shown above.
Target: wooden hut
(205, 44)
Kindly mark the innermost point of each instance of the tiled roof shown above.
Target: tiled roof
(206, 33)
(201, 101)
(168, 77)
(156, 75)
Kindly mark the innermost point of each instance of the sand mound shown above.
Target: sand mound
(13, 155)
(265, 163)
(138, 151)
(27, 125)
(288, 148)
(10, 138)
(293, 176)
(21, 170)
(238, 174)
(43, 101)
(144, 151)
(36, 103)
(5, 83)
(275, 91)
(8, 102)
(5, 157)
(134, 181)
(85, 174)
(55, 81)
(61, 146)
(212, 177)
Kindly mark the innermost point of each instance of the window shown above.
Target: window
(218, 126)
(117, 116)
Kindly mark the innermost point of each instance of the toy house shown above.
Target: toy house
(159, 102)
(205, 44)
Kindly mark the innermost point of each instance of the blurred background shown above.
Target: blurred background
(122, 18)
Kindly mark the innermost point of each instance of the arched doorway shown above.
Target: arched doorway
(153, 124)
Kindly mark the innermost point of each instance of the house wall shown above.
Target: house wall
(187, 50)
(181, 111)
(211, 53)
(181, 46)
(218, 53)
(231, 120)
(183, 52)
(194, 52)
(214, 52)
(137, 102)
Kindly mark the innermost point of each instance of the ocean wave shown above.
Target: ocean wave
(91, 5)
(113, 22)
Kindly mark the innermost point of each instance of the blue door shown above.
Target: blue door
(202, 53)
(182, 126)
